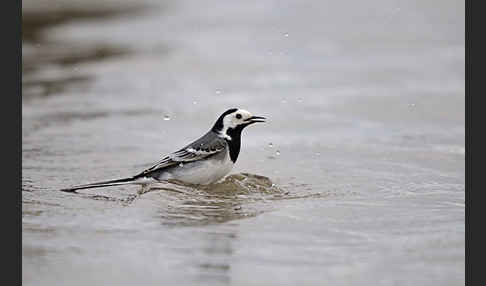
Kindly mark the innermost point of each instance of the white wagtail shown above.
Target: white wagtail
(204, 161)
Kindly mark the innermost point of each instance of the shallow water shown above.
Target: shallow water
(357, 178)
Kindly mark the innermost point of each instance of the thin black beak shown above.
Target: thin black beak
(255, 119)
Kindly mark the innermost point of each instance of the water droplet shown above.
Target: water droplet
(166, 117)
(270, 145)
(181, 165)
(286, 35)
(277, 153)
(194, 102)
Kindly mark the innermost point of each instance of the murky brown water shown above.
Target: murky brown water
(357, 178)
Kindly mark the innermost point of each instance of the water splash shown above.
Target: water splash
(233, 185)
(237, 196)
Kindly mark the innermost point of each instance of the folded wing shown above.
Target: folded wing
(208, 145)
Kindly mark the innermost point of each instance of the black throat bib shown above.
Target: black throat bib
(235, 142)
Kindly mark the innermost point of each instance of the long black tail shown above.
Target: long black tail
(124, 181)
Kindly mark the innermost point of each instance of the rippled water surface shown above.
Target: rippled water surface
(357, 178)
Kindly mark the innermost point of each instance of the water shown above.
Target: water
(368, 185)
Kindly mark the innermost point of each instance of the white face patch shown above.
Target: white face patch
(234, 119)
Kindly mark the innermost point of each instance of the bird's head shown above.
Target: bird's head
(234, 120)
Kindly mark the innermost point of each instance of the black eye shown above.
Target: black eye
(238, 116)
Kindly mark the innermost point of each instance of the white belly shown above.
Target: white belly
(200, 172)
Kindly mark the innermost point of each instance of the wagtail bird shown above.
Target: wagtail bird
(202, 162)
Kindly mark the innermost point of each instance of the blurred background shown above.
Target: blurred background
(365, 140)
